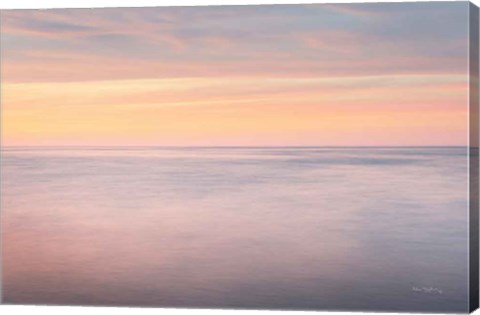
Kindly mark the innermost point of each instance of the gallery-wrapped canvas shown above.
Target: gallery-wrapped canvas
(300, 157)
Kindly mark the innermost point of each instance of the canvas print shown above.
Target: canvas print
(298, 157)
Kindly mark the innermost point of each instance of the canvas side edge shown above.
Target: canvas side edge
(473, 63)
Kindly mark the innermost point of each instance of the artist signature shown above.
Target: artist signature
(429, 290)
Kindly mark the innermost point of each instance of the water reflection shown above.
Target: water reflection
(293, 228)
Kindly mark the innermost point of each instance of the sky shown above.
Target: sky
(283, 75)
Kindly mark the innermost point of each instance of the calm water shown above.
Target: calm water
(306, 228)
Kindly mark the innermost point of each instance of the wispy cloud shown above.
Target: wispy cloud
(241, 37)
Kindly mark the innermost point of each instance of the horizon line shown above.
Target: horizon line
(225, 146)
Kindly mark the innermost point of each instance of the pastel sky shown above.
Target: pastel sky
(327, 74)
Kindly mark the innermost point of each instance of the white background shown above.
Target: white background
(43, 310)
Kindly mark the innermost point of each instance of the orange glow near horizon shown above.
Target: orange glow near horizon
(205, 111)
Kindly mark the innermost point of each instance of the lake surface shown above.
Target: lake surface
(277, 228)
